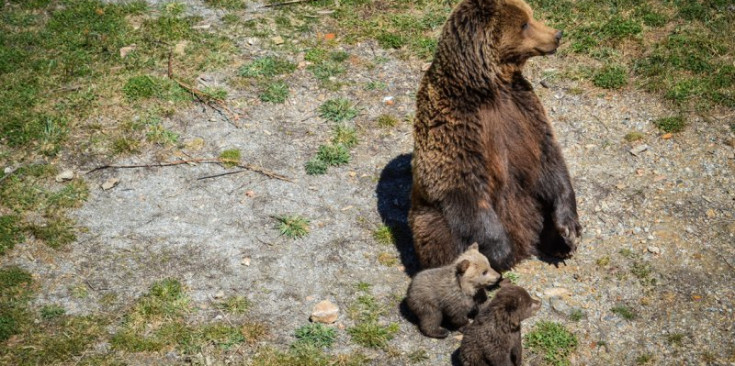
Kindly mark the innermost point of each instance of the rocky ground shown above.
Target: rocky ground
(659, 231)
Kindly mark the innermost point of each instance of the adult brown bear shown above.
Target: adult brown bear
(486, 165)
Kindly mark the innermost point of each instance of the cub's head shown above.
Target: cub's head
(474, 271)
(514, 304)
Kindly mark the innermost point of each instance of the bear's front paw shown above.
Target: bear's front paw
(570, 231)
(439, 332)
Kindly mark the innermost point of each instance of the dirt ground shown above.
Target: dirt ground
(659, 231)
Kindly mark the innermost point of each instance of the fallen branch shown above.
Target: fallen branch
(203, 97)
(285, 3)
(249, 167)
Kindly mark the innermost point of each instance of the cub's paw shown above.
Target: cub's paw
(437, 333)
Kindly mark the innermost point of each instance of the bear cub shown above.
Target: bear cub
(494, 338)
(450, 292)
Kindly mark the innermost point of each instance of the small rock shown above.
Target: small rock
(560, 306)
(556, 292)
(252, 41)
(654, 250)
(124, 51)
(388, 100)
(425, 67)
(711, 213)
(220, 294)
(325, 312)
(250, 193)
(638, 149)
(201, 26)
(108, 184)
(329, 36)
(458, 337)
(245, 261)
(667, 136)
(277, 40)
(65, 175)
(9, 169)
(544, 84)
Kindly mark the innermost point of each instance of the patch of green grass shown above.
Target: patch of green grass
(576, 315)
(214, 93)
(376, 85)
(345, 136)
(146, 86)
(235, 305)
(316, 166)
(363, 286)
(512, 277)
(633, 136)
(670, 124)
(275, 92)
(158, 134)
(552, 340)
(230, 157)
(391, 40)
(50, 312)
(333, 155)
(643, 359)
(227, 4)
(603, 261)
(13, 277)
(316, 335)
(384, 235)
(643, 270)
(71, 196)
(386, 121)
(56, 232)
(10, 232)
(15, 286)
(417, 356)
(325, 70)
(268, 67)
(611, 77)
(373, 335)
(625, 312)
(293, 226)
(675, 339)
(338, 110)
(627, 253)
(366, 309)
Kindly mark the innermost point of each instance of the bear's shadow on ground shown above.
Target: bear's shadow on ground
(394, 199)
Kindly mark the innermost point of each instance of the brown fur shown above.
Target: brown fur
(486, 165)
(494, 338)
(452, 291)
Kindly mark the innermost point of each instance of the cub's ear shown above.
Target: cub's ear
(463, 266)
(474, 246)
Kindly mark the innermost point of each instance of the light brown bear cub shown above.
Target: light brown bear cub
(494, 338)
(452, 291)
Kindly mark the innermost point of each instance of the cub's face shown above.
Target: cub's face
(518, 303)
(521, 36)
(475, 270)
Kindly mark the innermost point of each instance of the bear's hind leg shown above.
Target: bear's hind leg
(430, 321)
(432, 240)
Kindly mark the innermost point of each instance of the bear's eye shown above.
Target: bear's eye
(484, 273)
(524, 26)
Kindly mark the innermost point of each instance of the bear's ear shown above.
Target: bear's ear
(462, 267)
(474, 246)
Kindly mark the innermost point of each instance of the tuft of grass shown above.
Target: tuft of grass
(417, 356)
(338, 110)
(643, 270)
(603, 262)
(384, 235)
(56, 232)
(158, 134)
(553, 340)
(253, 332)
(215, 93)
(346, 136)
(267, 67)
(373, 335)
(633, 136)
(363, 286)
(625, 312)
(230, 157)
(14, 290)
(611, 77)
(675, 339)
(512, 276)
(671, 124)
(293, 226)
(386, 121)
(333, 155)
(10, 232)
(50, 312)
(391, 40)
(275, 92)
(576, 315)
(643, 359)
(316, 335)
(316, 166)
(627, 253)
(235, 305)
(146, 86)
(387, 259)
(227, 4)
(376, 85)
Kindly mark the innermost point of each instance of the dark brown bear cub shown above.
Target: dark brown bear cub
(452, 291)
(486, 165)
(494, 338)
